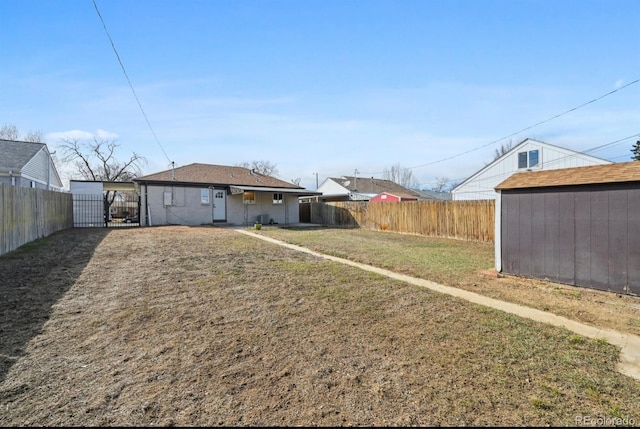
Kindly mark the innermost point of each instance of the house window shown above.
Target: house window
(33, 184)
(219, 194)
(204, 196)
(249, 197)
(277, 198)
(528, 159)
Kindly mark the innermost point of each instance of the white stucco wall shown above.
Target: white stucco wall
(186, 208)
(264, 205)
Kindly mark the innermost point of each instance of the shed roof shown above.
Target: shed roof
(593, 174)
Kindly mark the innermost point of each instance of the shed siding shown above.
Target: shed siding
(618, 238)
(633, 237)
(565, 239)
(538, 250)
(549, 247)
(583, 236)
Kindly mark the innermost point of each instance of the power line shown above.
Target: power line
(128, 80)
(534, 125)
(523, 129)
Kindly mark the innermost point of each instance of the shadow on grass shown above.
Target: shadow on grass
(32, 279)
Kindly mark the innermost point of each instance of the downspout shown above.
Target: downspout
(147, 214)
(49, 161)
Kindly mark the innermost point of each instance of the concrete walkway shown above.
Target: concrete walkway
(629, 344)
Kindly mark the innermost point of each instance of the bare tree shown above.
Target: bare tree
(97, 161)
(504, 148)
(11, 132)
(401, 176)
(263, 167)
(441, 184)
(34, 137)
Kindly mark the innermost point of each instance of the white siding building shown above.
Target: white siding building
(528, 155)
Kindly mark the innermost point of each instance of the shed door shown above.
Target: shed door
(219, 205)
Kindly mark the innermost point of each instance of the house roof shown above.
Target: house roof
(370, 185)
(297, 191)
(216, 175)
(16, 154)
(594, 174)
(432, 195)
(517, 148)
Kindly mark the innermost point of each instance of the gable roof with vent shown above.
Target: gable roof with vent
(623, 172)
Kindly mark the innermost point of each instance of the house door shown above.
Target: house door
(219, 205)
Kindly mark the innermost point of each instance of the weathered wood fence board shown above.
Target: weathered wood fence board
(27, 214)
(466, 220)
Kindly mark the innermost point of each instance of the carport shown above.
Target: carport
(105, 204)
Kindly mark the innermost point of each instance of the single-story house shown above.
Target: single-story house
(198, 194)
(528, 155)
(28, 164)
(578, 226)
(389, 197)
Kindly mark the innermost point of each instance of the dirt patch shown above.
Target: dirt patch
(204, 326)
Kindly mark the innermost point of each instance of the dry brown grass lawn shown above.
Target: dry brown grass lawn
(469, 266)
(204, 326)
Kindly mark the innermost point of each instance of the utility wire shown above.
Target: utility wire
(524, 129)
(534, 125)
(129, 80)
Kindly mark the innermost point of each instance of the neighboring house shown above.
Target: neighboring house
(388, 197)
(528, 155)
(198, 194)
(579, 226)
(29, 165)
(350, 188)
(425, 194)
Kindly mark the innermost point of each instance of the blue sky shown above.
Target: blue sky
(324, 88)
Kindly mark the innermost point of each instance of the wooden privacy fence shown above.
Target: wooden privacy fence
(27, 214)
(466, 220)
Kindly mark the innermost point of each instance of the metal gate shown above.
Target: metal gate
(106, 211)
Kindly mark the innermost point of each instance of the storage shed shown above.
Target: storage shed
(392, 197)
(578, 226)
